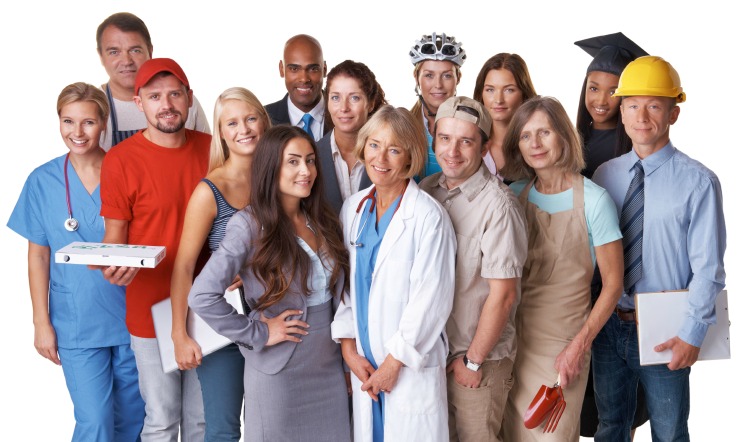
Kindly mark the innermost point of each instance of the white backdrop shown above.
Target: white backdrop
(228, 43)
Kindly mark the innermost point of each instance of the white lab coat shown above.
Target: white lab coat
(410, 300)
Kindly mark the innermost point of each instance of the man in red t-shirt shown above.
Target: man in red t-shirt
(145, 185)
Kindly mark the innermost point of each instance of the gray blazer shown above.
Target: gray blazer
(206, 297)
(331, 189)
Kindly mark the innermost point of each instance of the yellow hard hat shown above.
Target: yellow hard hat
(650, 76)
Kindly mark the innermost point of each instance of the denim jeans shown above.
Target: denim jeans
(173, 400)
(221, 378)
(617, 369)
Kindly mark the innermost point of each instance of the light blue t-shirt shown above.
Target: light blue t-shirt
(602, 220)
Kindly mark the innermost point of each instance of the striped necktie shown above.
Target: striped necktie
(631, 223)
(307, 120)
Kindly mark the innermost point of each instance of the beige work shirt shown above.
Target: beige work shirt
(491, 231)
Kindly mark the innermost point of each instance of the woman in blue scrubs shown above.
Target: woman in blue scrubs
(79, 318)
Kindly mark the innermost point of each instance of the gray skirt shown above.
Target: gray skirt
(306, 401)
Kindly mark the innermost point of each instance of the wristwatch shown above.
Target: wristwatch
(470, 364)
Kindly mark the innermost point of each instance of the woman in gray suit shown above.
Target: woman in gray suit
(353, 96)
(288, 249)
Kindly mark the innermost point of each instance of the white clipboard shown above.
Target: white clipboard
(660, 316)
(208, 339)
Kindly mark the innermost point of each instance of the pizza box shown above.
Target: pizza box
(121, 255)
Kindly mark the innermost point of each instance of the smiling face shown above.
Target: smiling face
(122, 54)
(437, 81)
(347, 104)
(458, 148)
(386, 162)
(600, 103)
(501, 95)
(647, 121)
(80, 126)
(298, 170)
(303, 70)
(165, 101)
(539, 144)
(240, 127)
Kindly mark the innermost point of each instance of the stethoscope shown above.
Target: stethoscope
(370, 196)
(71, 224)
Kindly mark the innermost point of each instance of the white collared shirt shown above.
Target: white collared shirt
(349, 182)
(317, 112)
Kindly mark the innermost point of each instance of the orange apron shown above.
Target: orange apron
(556, 301)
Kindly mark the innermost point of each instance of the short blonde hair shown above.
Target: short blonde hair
(571, 158)
(79, 91)
(406, 133)
(218, 148)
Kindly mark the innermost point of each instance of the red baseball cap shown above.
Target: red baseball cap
(157, 65)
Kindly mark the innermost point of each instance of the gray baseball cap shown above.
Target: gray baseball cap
(466, 109)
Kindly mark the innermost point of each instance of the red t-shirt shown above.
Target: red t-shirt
(149, 186)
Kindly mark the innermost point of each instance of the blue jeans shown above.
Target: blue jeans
(103, 384)
(617, 369)
(173, 400)
(221, 378)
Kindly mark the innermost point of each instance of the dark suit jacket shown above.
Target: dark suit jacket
(331, 187)
(279, 114)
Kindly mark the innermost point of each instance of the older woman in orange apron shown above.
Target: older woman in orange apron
(573, 225)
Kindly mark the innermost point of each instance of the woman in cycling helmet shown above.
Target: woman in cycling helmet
(437, 59)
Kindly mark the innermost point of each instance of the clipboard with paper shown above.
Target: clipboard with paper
(660, 316)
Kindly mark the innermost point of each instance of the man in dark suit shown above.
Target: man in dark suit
(303, 70)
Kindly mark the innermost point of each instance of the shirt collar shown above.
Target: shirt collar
(652, 162)
(472, 186)
(333, 145)
(317, 112)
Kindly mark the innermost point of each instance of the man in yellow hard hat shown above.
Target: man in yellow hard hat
(674, 237)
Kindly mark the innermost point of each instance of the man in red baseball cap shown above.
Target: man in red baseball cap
(145, 186)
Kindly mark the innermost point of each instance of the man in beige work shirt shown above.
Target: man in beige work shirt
(491, 231)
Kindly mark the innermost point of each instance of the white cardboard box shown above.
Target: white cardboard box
(660, 316)
(124, 255)
(208, 339)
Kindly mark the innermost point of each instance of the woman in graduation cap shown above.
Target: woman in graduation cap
(604, 138)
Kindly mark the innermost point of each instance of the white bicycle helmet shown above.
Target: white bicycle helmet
(437, 47)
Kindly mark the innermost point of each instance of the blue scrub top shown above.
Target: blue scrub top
(370, 237)
(86, 311)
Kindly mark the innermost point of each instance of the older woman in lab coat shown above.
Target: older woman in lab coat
(402, 255)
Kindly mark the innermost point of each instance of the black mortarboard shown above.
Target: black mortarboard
(611, 52)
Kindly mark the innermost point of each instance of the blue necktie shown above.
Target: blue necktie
(307, 120)
(631, 223)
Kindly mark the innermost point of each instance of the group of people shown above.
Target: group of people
(407, 274)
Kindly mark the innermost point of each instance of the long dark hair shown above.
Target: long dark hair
(278, 257)
(514, 64)
(585, 124)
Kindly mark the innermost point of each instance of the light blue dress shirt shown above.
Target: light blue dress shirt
(321, 267)
(684, 231)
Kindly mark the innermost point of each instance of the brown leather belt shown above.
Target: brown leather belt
(625, 315)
